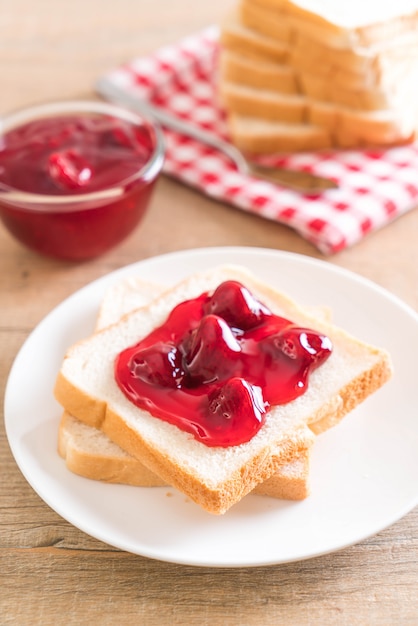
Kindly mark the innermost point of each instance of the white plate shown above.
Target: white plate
(364, 471)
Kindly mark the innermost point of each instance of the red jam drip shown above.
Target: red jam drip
(71, 154)
(218, 364)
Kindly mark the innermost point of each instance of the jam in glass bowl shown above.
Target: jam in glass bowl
(76, 177)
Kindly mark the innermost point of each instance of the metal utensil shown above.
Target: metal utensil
(300, 181)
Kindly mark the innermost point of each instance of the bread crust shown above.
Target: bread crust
(257, 136)
(112, 467)
(242, 40)
(243, 70)
(263, 466)
(217, 500)
(108, 462)
(295, 486)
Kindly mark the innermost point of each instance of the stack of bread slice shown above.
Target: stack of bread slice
(104, 436)
(313, 74)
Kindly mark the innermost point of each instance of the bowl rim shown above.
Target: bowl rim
(13, 196)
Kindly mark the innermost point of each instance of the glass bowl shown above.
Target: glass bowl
(76, 177)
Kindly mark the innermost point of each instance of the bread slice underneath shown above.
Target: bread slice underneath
(215, 477)
(261, 136)
(90, 453)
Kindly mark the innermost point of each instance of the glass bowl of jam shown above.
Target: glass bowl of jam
(76, 177)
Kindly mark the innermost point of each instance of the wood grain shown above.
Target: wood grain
(50, 572)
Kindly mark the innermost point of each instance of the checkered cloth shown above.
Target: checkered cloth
(374, 186)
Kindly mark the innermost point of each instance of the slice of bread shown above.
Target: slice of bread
(90, 453)
(360, 98)
(215, 477)
(380, 69)
(273, 24)
(124, 297)
(242, 69)
(315, 124)
(258, 136)
(264, 103)
(251, 134)
(354, 71)
(240, 39)
(265, 90)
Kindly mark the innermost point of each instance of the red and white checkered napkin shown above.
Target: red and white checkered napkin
(374, 186)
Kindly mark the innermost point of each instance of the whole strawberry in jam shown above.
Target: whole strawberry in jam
(292, 354)
(212, 352)
(69, 169)
(159, 364)
(236, 305)
(301, 343)
(235, 408)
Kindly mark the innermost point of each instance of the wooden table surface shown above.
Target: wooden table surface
(52, 573)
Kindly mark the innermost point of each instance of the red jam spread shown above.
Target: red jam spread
(70, 155)
(218, 364)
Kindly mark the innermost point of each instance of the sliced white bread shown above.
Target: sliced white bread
(384, 86)
(273, 24)
(263, 103)
(360, 88)
(90, 453)
(258, 136)
(323, 124)
(365, 90)
(366, 128)
(215, 477)
(361, 98)
(378, 69)
(245, 70)
(349, 70)
(242, 40)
